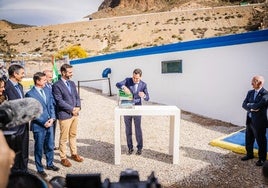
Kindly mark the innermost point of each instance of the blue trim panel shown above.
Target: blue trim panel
(242, 38)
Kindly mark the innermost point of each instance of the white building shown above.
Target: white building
(216, 72)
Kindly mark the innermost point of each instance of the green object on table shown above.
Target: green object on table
(125, 100)
(125, 96)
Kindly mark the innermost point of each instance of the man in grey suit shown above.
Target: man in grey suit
(68, 106)
(138, 89)
(255, 104)
(42, 127)
(49, 76)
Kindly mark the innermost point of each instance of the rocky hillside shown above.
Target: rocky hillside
(129, 7)
(190, 21)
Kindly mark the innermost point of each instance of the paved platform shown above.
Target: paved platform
(235, 142)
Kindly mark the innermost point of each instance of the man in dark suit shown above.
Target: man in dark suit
(42, 127)
(67, 107)
(19, 141)
(255, 104)
(138, 89)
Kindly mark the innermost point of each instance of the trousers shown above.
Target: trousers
(258, 133)
(68, 131)
(138, 131)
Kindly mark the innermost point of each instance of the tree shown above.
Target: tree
(73, 52)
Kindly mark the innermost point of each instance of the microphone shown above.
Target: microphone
(17, 112)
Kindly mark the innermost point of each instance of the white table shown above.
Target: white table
(153, 110)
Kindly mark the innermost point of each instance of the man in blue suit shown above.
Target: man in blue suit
(19, 142)
(255, 104)
(138, 89)
(67, 106)
(42, 127)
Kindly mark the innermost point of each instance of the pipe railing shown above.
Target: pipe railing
(78, 84)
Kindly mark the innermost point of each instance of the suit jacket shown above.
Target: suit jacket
(37, 124)
(49, 87)
(258, 118)
(65, 101)
(142, 87)
(11, 93)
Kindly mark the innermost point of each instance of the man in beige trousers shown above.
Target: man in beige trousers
(67, 107)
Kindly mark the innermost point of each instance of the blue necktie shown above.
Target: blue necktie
(18, 90)
(43, 94)
(255, 95)
(68, 86)
(49, 85)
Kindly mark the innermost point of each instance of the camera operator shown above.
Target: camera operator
(7, 156)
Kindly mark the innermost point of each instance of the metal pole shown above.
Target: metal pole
(110, 87)
(78, 84)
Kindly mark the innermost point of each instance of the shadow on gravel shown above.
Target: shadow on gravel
(104, 152)
(155, 155)
(223, 170)
(96, 150)
(201, 155)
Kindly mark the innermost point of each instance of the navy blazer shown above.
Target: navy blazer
(11, 93)
(142, 87)
(37, 124)
(65, 101)
(259, 118)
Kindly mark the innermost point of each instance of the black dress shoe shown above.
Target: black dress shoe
(54, 168)
(42, 174)
(260, 162)
(130, 151)
(247, 157)
(139, 152)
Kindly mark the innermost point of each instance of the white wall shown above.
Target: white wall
(214, 81)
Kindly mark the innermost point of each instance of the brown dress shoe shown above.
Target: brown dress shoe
(66, 163)
(77, 158)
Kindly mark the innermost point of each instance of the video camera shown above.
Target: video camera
(128, 179)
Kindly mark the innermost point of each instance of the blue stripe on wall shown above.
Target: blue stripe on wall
(243, 38)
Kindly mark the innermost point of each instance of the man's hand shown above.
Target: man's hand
(252, 110)
(142, 94)
(126, 90)
(75, 111)
(49, 123)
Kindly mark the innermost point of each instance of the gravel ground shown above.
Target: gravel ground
(200, 164)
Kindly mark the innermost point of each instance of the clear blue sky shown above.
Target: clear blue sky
(46, 12)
